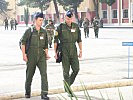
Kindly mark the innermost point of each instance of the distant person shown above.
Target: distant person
(12, 24)
(101, 23)
(6, 23)
(80, 22)
(50, 32)
(86, 24)
(15, 23)
(96, 26)
(92, 21)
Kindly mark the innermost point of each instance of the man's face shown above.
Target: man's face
(39, 21)
(68, 20)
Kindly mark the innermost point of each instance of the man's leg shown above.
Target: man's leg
(75, 69)
(43, 72)
(88, 32)
(66, 69)
(31, 67)
(50, 41)
(85, 32)
(95, 33)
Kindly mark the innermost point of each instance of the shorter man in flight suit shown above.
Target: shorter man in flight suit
(36, 55)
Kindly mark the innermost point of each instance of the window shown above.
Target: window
(104, 14)
(22, 18)
(125, 13)
(114, 14)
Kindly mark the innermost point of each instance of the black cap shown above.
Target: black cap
(38, 14)
(69, 14)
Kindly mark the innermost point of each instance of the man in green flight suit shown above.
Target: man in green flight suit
(69, 33)
(36, 56)
(96, 26)
(6, 23)
(86, 24)
(50, 32)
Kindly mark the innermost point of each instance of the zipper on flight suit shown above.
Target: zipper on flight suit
(38, 45)
(71, 38)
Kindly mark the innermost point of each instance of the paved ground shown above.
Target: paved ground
(121, 93)
(104, 59)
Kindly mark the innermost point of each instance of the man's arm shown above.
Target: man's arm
(47, 55)
(55, 47)
(23, 47)
(46, 47)
(79, 41)
(80, 49)
(24, 54)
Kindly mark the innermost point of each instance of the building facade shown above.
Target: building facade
(120, 13)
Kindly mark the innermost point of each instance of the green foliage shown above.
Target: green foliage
(86, 94)
(26, 16)
(120, 95)
(3, 5)
(70, 2)
(42, 4)
(69, 90)
(109, 2)
(101, 95)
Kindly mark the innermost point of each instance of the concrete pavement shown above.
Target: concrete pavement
(117, 93)
(104, 60)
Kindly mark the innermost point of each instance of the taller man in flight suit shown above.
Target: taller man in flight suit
(36, 56)
(69, 33)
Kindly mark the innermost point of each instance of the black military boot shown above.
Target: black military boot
(44, 97)
(27, 95)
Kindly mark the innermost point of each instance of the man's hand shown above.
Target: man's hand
(55, 56)
(47, 57)
(25, 57)
(80, 54)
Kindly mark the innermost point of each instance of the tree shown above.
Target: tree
(42, 4)
(57, 11)
(96, 5)
(109, 2)
(72, 4)
(3, 6)
(26, 16)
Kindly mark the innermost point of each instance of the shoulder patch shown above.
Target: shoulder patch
(56, 33)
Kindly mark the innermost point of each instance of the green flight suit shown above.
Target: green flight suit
(96, 27)
(86, 27)
(50, 32)
(68, 38)
(36, 57)
(12, 24)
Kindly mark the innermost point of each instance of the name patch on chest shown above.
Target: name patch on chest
(41, 37)
(73, 30)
